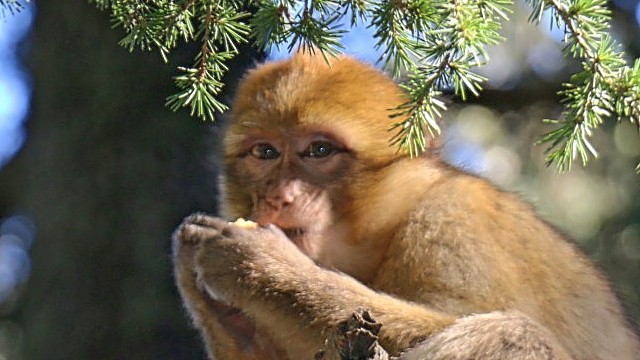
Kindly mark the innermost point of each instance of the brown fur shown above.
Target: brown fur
(421, 245)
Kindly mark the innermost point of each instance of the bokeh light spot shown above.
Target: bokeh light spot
(630, 241)
(17, 234)
(626, 138)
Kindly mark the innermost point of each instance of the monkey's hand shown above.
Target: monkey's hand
(227, 331)
(283, 292)
(234, 262)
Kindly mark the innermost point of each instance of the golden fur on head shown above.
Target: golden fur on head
(305, 93)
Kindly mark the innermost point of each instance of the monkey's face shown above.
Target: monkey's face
(295, 180)
(306, 141)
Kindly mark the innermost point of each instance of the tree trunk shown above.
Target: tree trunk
(106, 174)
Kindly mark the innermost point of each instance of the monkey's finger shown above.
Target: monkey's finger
(183, 257)
(189, 233)
(183, 249)
(262, 231)
(206, 220)
(233, 231)
(273, 228)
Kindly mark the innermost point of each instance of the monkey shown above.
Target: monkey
(451, 265)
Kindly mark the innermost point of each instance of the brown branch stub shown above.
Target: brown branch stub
(354, 339)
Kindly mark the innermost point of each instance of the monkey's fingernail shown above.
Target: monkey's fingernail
(195, 217)
(190, 233)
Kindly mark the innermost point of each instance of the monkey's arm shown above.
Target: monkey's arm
(225, 333)
(265, 275)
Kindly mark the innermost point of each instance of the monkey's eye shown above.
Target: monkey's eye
(264, 151)
(319, 149)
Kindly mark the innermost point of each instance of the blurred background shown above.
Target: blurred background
(95, 173)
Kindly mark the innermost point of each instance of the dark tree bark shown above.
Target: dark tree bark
(354, 339)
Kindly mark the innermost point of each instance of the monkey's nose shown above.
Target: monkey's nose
(283, 195)
(280, 201)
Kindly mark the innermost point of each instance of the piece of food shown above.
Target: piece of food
(247, 224)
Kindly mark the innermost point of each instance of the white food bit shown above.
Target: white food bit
(247, 224)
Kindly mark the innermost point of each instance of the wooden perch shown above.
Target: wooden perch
(354, 339)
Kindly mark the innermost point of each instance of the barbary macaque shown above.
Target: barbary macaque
(450, 265)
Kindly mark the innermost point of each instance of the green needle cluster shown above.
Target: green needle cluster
(11, 6)
(605, 88)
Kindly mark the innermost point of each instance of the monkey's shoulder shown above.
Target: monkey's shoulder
(457, 190)
(466, 207)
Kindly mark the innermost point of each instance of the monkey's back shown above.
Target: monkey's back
(472, 248)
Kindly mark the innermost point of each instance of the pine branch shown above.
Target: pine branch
(271, 24)
(436, 43)
(446, 47)
(310, 32)
(218, 26)
(102, 4)
(200, 85)
(359, 10)
(11, 6)
(307, 25)
(605, 88)
(435, 40)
